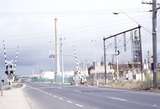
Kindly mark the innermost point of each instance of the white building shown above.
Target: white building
(48, 75)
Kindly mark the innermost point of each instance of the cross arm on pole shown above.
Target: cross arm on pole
(156, 9)
(149, 3)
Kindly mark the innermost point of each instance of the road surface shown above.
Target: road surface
(47, 96)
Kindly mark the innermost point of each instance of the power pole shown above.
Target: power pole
(141, 55)
(62, 67)
(105, 66)
(148, 59)
(56, 51)
(154, 39)
(116, 55)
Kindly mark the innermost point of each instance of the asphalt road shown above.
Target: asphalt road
(47, 96)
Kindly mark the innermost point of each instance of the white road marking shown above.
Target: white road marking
(68, 101)
(134, 102)
(116, 98)
(154, 105)
(60, 98)
(79, 105)
(132, 92)
(54, 96)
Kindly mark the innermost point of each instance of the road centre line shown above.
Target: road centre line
(155, 105)
(133, 102)
(68, 101)
(79, 105)
(133, 91)
(60, 98)
(116, 98)
(54, 96)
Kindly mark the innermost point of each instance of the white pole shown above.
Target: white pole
(62, 66)
(56, 51)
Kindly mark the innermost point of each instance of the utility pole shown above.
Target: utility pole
(61, 49)
(154, 39)
(105, 66)
(116, 51)
(141, 56)
(56, 51)
(148, 59)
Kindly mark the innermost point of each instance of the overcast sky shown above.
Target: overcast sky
(81, 23)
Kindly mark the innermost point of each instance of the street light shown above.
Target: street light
(132, 19)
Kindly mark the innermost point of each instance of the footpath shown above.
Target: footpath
(13, 99)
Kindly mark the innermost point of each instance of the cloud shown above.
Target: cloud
(30, 24)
